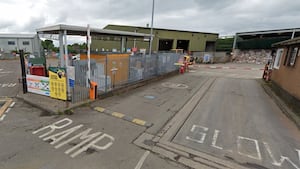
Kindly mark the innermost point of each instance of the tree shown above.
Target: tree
(48, 45)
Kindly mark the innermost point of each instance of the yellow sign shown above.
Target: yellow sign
(58, 85)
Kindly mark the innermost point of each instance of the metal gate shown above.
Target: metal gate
(80, 92)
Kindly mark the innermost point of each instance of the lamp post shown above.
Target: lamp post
(151, 32)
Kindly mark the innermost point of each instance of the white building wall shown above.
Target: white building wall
(30, 45)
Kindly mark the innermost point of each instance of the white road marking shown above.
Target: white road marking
(6, 72)
(200, 133)
(8, 84)
(7, 110)
(12, 104)
(258, 157)
(92, 144)
(53, 127)
(88, 140)
(282, 158)
(215, 138)
(143, 158)
(298, 154)
(61, 135)
(2, 117)
(83, 135)
(203, 135)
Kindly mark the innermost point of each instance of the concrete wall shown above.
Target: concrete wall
(287, 77)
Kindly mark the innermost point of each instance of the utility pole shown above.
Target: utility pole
(151, 32)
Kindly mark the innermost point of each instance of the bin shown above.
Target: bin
(93, 90)
(37, 70)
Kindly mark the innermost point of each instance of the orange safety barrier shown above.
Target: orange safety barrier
(93, 90)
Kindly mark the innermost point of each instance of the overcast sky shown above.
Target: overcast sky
(225, 17)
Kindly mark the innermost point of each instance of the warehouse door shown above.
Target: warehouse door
(165, 44)
(183, 44)
(210, 46)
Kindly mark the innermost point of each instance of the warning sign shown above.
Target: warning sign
(58, 84)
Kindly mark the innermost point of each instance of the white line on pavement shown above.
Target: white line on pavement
(12, 104)
(8, 109)
(2, 117)
(140, 163)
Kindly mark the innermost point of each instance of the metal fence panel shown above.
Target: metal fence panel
(112, 70)
(80, 92)
(166, 62)
(136, 67)
(151, 65)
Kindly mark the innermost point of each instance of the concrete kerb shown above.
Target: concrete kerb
(124, 117)
(280, 103)
(116, 91)
(67, 110)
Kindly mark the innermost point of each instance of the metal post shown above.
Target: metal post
(106, 70)
(66, 65)
(123, 39)
(61, 49)
(293, 35)
(38, 41)
(89, 51)
(151, 32)
(24, 82)
(66, 49)
(134, 41)
(234, 42)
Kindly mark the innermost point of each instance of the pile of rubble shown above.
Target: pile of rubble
(252, 56)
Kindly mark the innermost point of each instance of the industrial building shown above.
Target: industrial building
(9, 43)
(256, 46)
(163, 40)
(286, 71)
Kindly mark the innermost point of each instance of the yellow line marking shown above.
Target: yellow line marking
(5, 105)
(100, 109)
(116, 114)
(138, 121)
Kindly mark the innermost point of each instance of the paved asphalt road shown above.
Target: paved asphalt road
(10, 72)
(235, 120)
(238, 121)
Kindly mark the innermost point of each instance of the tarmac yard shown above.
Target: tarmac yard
(210, 118)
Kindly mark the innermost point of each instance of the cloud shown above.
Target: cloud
(218, 16)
